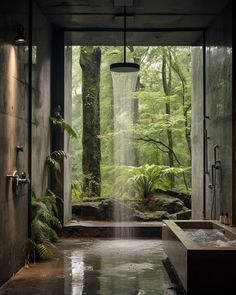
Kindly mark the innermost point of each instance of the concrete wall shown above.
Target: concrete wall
(41, 95)
(197, 132)
(219, 109)
(61, 95)
(13, 132)
(14, 115)
(219, 125)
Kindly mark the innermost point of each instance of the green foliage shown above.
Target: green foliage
(44, 221)
(80, 191)
(44, 226)
(53, 162)
(116, 185)
(150, 129)
(147, 178)
(58, 121)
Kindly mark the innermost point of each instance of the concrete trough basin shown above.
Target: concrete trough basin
(201, 268)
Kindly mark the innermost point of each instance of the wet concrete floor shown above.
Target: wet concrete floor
(96, 266)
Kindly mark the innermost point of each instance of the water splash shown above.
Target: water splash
(210, 238)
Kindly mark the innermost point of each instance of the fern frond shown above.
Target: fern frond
(55, 223)
(70, 131)
(59, 154)
(53, 163)
(44, 250)
(58, 121)
(44, 225)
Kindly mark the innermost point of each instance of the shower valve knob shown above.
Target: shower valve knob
(18, 178)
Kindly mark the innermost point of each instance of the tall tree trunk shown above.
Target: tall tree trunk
(186, 107)
(167, 83)
(90, 62)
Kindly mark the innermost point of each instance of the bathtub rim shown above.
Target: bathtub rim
(188, 243)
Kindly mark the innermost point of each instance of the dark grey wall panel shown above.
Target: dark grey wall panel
(14, 117)
(41, 101)
(13, 132)
(219, 125)
(219, 110)
(197, 132)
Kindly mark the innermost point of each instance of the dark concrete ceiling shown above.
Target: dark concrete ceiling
(149, 22)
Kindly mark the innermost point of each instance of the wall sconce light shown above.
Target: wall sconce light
(20, 34)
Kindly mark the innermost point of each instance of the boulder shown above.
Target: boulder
(165, 203)
(184, 215)
(111, 209)
(86, 210)
(151, 216)
(184, 197)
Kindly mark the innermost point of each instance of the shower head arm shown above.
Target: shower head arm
(124, 34)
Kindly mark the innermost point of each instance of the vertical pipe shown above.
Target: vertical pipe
(204, 128)
(124, 34)
(30, 6)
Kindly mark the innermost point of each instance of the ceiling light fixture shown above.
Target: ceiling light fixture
(124, 67)
(20, 34)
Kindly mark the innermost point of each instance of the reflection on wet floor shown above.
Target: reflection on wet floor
(105, 267)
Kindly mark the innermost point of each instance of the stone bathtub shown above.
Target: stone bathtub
(202, 269)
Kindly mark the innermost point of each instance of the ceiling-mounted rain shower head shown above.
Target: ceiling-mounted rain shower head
(124, 67)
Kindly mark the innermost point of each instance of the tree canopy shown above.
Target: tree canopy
(161, 129)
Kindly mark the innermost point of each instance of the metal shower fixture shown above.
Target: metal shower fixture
(124, 67)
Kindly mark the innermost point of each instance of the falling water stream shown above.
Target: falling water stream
(124, 85)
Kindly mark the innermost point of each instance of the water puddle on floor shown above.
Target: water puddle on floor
(102, 267)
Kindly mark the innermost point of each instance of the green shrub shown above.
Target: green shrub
(147, 178)
(79, 191)
(44, 226)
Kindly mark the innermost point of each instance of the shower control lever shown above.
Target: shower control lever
(213, 182)
(18, 180)
(22, 179)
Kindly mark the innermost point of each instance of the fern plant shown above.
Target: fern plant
(58, 121)
(147, 178)
(44, 221)
(79, 192)
(53, 162)
(44, 226)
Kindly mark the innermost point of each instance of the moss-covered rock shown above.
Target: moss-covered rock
(184, 215)
(165, 203)
(183, 196)
(152, 216)
(87, 210)
(112, 209)
(159, 207)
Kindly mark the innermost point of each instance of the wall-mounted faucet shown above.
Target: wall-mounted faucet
(19, 179)
(19, 148)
